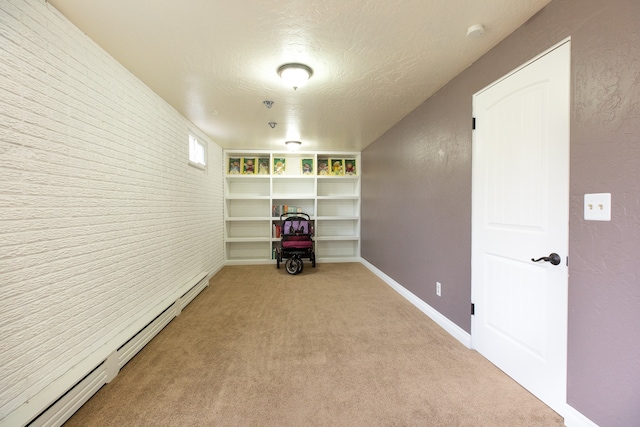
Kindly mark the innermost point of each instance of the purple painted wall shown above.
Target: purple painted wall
(416, 196)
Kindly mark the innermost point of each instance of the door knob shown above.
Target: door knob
(553, 258)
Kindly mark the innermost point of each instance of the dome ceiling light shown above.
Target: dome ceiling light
(293, 145)
(295, 75)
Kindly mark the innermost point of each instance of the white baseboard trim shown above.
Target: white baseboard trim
(58, 401)
(456, 331)
(326, 260)
(573, 418)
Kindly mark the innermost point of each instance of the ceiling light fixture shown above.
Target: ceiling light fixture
(293, 145)
(475, 31)
(295, 75)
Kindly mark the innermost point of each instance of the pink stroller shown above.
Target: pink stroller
(296, 242)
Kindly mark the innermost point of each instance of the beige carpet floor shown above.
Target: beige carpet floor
(333, 346)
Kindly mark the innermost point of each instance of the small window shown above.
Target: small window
(197, 152)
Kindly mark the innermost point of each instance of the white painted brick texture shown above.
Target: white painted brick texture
(101, 217)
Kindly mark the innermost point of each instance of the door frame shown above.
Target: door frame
(474, 286)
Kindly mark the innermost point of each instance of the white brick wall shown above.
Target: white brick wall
(101, 217)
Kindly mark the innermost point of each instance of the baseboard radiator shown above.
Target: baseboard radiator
(58, 412)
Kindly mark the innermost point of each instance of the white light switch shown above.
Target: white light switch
(597, 207)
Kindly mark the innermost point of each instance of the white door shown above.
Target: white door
(521, 212)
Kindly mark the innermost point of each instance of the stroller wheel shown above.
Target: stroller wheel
(292, 265)
(277, 261)
(300, 265)
(313, 259)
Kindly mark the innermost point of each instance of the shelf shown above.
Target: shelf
(338, 187)
(247, 186)
(337, 248)
(246, 218)
(337, 218)
(247, 208)
(277, 218)
(337, 197)
(344, 229)
(294, 186)
(248, 177)
(306, 205)
(247, 229)
(247, 251)
(247, 239)
(335, 238)
(338, 208)
(244, 197)
(332, 202)
(282, 196)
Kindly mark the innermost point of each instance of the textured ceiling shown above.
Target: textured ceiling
(215, 61)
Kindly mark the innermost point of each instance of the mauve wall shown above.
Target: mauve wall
(416, 196)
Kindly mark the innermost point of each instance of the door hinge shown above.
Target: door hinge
(473, 309)
(473, 125)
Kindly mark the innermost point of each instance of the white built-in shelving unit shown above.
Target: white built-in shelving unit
(332, 202)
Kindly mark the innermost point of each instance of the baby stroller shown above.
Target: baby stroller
(296, 242)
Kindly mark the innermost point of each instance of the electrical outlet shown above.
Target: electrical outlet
(438, 289)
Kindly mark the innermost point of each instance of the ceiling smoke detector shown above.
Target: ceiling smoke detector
(475, 31)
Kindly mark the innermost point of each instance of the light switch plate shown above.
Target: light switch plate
(597, 207)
